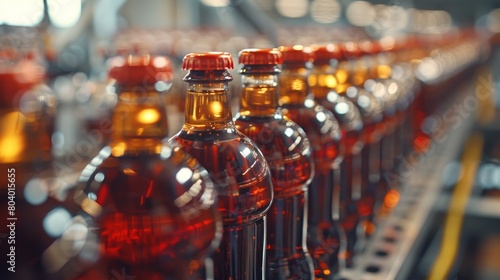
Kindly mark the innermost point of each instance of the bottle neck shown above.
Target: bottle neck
(325, 78)
(293, 85)
(360, 69)
(259, 95)
(139, 121)
(383, 67)
(207, 105)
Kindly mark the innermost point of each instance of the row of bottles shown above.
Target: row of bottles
(289, 188)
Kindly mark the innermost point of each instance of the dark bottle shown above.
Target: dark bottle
(329, 87)
(324, 236)
(288, 153)
(390, 92)
(27, 111)
(357, 66)
(147, 208)
(239, 170)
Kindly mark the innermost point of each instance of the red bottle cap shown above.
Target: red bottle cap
(296, 54)
(208, 61)
(16, 79)
(141, 69)
(260, 57)
(325, 53)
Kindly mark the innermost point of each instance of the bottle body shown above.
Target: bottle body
(386, 91)
(328, 86)
(154, 213)
(324, 236)
(27, 112)
(350, 178)
(143, 208)
(239, 170)
(287, 151)
(244, 192)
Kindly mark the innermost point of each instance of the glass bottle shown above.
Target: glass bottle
(288, 153)
(329, 86)
(350, 59)
(239, 170)
(324, 236)
(401, 70)
(27, 112)
(146, 209)
(389, 90)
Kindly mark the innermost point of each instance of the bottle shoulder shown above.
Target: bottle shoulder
(345, 111)
(218, 148)
(286, 148)
(138, 201)
(369, 106)
(238, 169)
(316, 121)
(167, 176)
(279, 136)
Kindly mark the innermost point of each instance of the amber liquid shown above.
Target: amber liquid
(146, 230)
(150, 205)
(287, 151)
(241, 176)
(323, 235)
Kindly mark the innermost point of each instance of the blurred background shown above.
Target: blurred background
(446, 218)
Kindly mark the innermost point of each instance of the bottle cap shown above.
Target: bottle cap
(17, 78)
(296, 54)
(141, 69)
(260, 57)
(326, 52)
(208, 61)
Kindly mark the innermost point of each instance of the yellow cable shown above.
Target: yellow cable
(454, 218)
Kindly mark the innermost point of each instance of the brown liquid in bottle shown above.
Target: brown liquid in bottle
(238, 169)
(324, 236)
(288, 153)
(149, 208)
(329, 90)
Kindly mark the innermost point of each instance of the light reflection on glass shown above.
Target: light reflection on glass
(162, 86)
(321, 116)
(451, 173)
(342, 108)
(36, 191)
(183, 175)
(309, 103)
(165, 152)
(55, 221)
